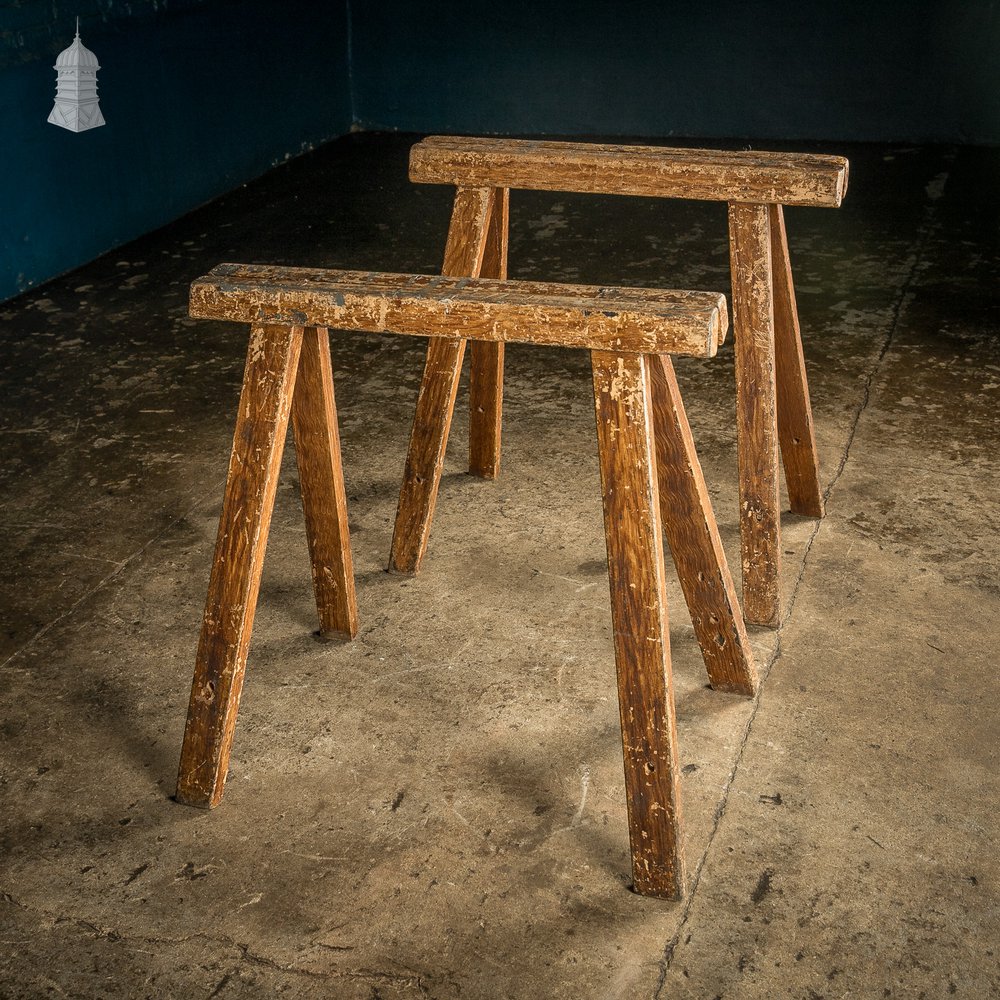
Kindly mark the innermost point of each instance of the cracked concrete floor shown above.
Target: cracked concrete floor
(437, 809)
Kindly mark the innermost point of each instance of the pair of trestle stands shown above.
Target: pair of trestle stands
(647, 457)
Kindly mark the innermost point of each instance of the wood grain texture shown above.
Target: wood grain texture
(709, 174)
(643, 320)
(486, 359)
(639, 620)
(261, 425)
(756, 416)
(324, 498)
(467, 238)
(795, 424)
(693, 536)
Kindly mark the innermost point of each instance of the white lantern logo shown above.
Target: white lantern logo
(76, 106)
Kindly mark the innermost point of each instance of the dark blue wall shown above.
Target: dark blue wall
(202, 95)
(915, 71)
(199, 96)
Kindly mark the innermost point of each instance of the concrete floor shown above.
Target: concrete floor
(436, 810)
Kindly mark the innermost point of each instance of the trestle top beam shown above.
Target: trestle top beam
(749, 176)
(624, 320)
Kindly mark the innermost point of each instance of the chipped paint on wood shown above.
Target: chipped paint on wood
(625, 386)
(657, 171)
(464, 253)
(640, 320)
(746, 178)
(324, 498)
(258, 441)
(689, 524)
(487, 359)
(639, 619)
(795, 424)
(756, 413)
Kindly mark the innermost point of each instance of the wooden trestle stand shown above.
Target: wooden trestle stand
(650, 476)
(772, 395)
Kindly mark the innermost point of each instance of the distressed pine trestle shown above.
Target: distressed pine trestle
(650, 475)
(772, 395)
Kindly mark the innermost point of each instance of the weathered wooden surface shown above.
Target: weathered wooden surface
(324, 499)
(776, 386)
(643, 320)
(689, 524)
(486, 359)
(795, 424)
(708, 174)
(756, 417)
(464, 252)
(639, 620)
(261, 425)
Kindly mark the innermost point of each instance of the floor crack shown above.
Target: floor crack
(119, 568)
(243, 950)
(926, 230)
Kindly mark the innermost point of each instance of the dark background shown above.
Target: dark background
(203, 95)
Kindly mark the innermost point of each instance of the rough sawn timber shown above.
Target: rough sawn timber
(795, 423)
(756, 411)
(287, 371)
(486, 362)
(324, 498)
(693, 536)
(259, 439)
(626, 320)
(655, 171)
(468, 233)
(639, 620)
(753, 181)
